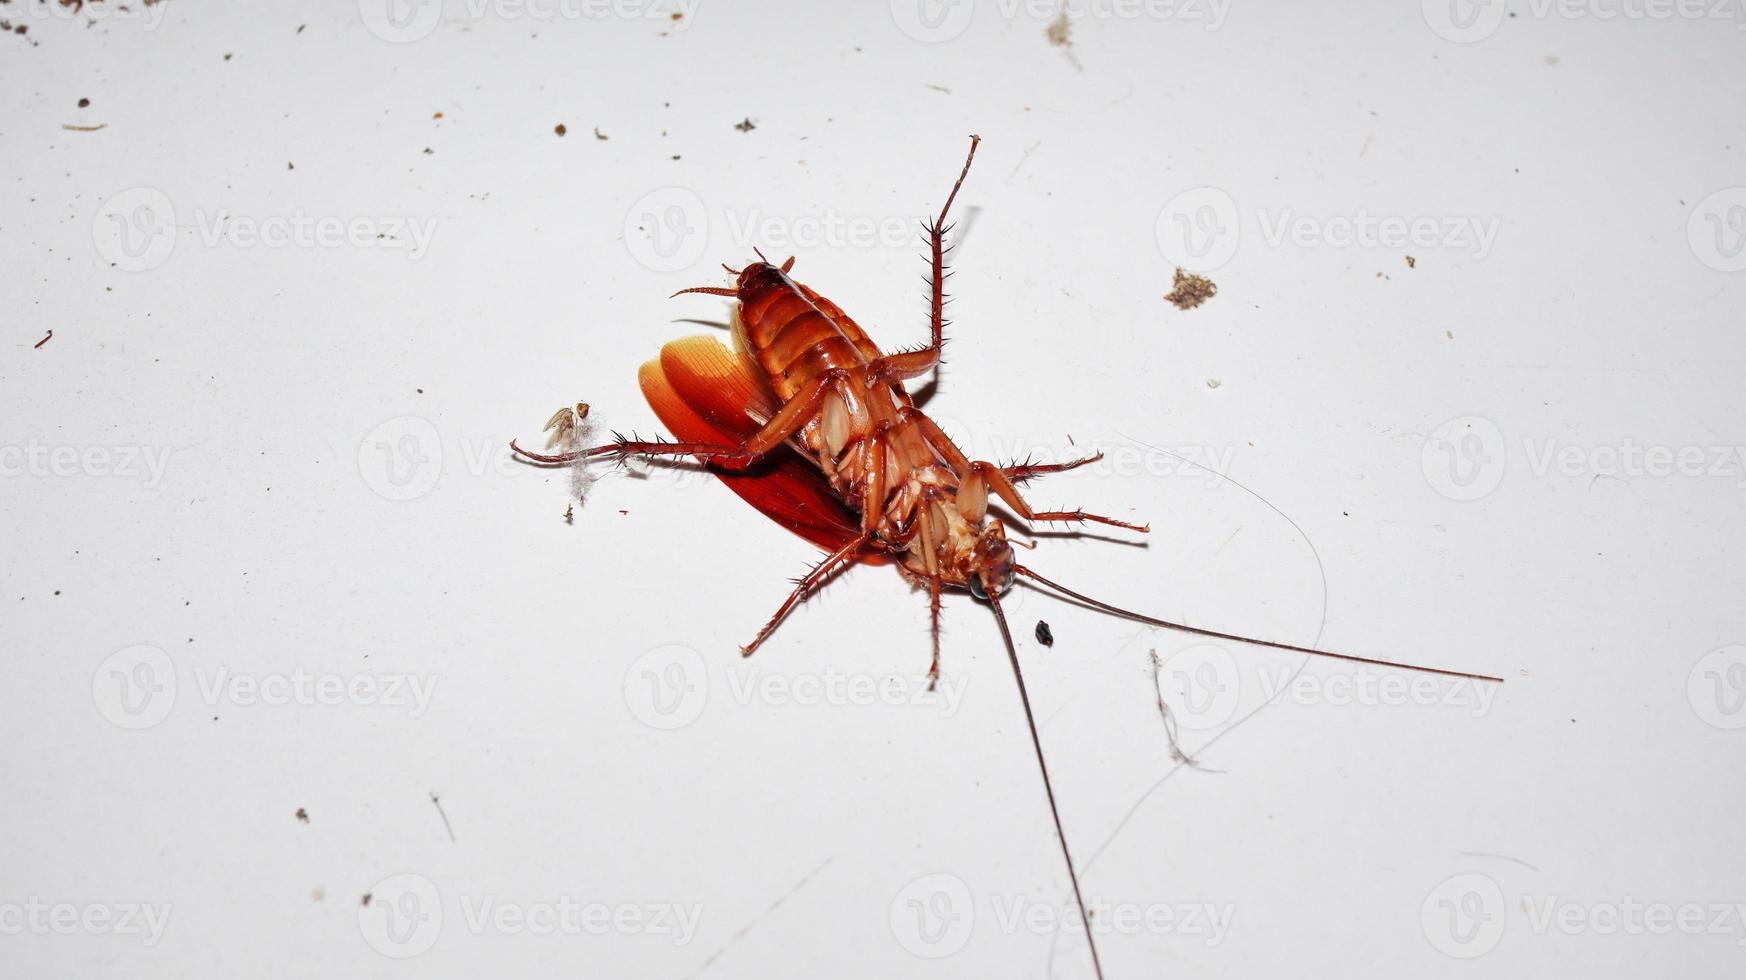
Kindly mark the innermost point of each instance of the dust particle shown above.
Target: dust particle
(1190, 290)
(1045, 635)
(1060, 34)
(302, 815)
(600, 135)
(560, 129)
(1213, 383)
(1412, 263)
(366, 901)
(84, 103)
(746, 125)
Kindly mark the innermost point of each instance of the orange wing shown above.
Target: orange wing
(702, 392)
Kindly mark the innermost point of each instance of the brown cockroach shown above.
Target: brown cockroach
(809, 422)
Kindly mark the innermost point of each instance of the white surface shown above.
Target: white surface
(282, 382)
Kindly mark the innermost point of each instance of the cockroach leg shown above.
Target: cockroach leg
(1027, 469)
(790, 419)
(905, 365)
(934, 617)
(997, 479)
(788, 265)
(805, 585)
(1003, 488)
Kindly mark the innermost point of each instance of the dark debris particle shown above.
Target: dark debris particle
(302, 815)
(600, 135)
(1045, 635)
(84, 103)
(746, 125)
(560, 129)
(366, 901)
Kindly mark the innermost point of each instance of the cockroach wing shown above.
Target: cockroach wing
(703, 392)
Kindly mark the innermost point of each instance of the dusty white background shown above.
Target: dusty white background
(264, 550)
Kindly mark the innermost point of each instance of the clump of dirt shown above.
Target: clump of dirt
(1060, 34)
(1190, 290)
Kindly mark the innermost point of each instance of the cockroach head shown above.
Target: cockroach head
(993, 558)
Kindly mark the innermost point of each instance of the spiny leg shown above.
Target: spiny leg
(873, 464)
(1027, 469)
(804, 586)
(787, 421)
(1004, 488)
(905, 365)
(980, 477)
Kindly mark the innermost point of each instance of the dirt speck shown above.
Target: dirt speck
(1045, 635)
(560, 129)
(84, 103)
(1412, 263)
(1213, 383)
(366, 900)
(1190, 290)
(1060, 34)
(600, 135)
(302, 815)
(746, 125)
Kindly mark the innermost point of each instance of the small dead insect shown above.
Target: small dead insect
(810, 422)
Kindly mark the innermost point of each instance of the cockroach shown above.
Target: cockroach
(810, 422)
